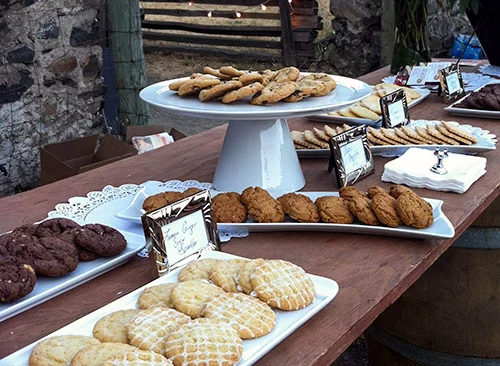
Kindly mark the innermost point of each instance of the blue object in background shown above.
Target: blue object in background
(473, 51)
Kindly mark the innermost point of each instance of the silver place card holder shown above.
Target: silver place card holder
(452, 85)
(180, 232)
(350, 156)
(395, 112)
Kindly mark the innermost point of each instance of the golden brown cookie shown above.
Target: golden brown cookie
(251, 317)
(321, 134)
(372, 102)
(59, 350)
(156, 296)
(459, 131)
(111, 328)
(216, 73)
(429, 139)
(311, 137)
(308, 88)
(363, 112)
(384, 207)
(410, 132)
(447, 133)
(434, 132)
(346, 112)
(156, 201)
(223, 274)
(190, 191)
(227, 207)
(334, 210)
(349, 192)
(261, 206)
(330, 131)
(204, 342)
(391, 134)
(197, 270)
(219, 90)
(299, 138)
(286, 74)
(243, 276)
(273, 92)
(379, 135)
(299, 207)
(411, 141)
(282, 285)
(97, 354)
(330, 82)
(398, 189)
(373, 190)
(194, 86)
(243, 92)
(189, 297)
(175, 85)
(360, 207)
(414, 211)
(138, 358)
(230, 71)
(250, 78)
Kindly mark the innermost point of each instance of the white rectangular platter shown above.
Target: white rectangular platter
(48, 287)
(325, 117)
(466, 112)
(441, 228)
(286, 321)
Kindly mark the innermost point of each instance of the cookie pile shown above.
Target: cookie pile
(204, 316)
(487, 98)
(443, 133)
(317, 138)
(352, 204)
(51, 248)
(369, 108)
(229, 85)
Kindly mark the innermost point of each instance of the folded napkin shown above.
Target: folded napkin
(413, 168)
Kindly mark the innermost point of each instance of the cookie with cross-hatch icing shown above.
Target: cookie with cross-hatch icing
(283, 285)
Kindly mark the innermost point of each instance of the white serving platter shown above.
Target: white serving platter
(441, 228)
(286, 321)
(348, 91)
(325, 117)
(485, 142)
(466, 112)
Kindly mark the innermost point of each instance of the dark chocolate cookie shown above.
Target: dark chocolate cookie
(83, 254)
(17, 279)
(28, 229)
(53, 257)
(100, 239)
(55, 227)
(18, 245)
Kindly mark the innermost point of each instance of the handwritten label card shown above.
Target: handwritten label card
(451, 81)
(394, 108)
(351, 157)
(180, 232)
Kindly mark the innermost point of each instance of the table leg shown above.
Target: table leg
(258, 153)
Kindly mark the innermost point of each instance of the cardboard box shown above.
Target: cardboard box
(150, 130)
(65, 159)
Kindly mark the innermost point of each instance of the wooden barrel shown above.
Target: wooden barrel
(451, 315)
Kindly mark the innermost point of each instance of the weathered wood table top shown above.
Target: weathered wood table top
(372, 271)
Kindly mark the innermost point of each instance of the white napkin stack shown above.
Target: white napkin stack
(413, 169)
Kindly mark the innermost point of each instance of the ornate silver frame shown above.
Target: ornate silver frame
(396, 96)
(343, 177)
(443, 73)
(154, 221)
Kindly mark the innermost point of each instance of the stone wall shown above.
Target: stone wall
(50, 81)
(357, 26)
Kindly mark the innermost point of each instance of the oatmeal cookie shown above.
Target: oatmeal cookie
(360, 206)
(261, 206)
(299, 207)
(227, 207)
(414, 211)
(334, 210)
(384, 207)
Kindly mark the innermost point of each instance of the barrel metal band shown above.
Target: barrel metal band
(426, 356)
(479, 238)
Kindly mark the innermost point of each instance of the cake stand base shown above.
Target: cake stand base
(258, 153)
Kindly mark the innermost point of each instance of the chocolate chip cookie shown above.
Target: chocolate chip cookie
(101, 239)
(17, 279)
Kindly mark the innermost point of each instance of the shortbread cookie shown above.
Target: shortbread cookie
(243, 92)
(459, 131)
(330, 131)
(111, 328)
(216, 73)
(414, 211)
(273, 92)
(410, 132)
(96, 354)
(243, 275)
(262, 207)
(311, 137)
(321, 134)
(298, 138)
(349, 192)
(412, 93)
(197, 270)
(346, 112)
(156, 296)
(299, 207)
(379, 135)
(189, 297)
(384, 207)
(219, 90)
(422, 132)
(204, 342)
(390, 134)
(372, 102)
(375, 141)
(230, 71)
(250, 78)
(251, 317)
(138, 358)
(411, 141)
(223, 274)
(434, 132)
(334, 210)
(283, 285)
(194, 86)
(363, 112)
(148, 329)
(360, 206)
(451, 135)
(59, 350)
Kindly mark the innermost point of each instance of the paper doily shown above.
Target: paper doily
(472, 81)
(490, 70)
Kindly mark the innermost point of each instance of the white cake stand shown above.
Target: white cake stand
(258, 149)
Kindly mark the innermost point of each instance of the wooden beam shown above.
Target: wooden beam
(214, 29)
(310, 4)
(287, 44)
(215, 14)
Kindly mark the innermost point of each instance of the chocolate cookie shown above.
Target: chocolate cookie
(18, 245)
(414, 211)
(100, 239)
(55, 227)
(53, 257)
(28, 229)
(384, 207)
(17, 279)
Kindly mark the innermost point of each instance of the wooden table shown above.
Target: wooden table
(372, 271)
